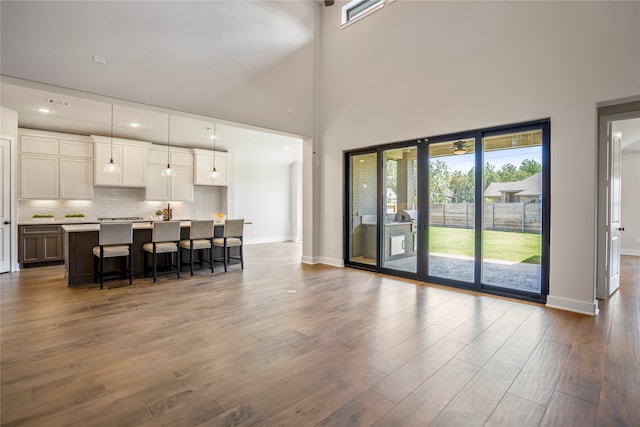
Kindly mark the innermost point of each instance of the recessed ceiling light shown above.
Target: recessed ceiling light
(134, 125)
(286, 148)
(43, 110)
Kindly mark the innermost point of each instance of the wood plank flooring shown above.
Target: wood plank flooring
(347, 348)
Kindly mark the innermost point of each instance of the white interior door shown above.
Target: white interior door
(5, 206)
(614, 226)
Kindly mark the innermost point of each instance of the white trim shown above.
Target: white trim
(309, 260)
(632, 252)
(576, 306)
(345, 23)
(247, 241)
(335, 262)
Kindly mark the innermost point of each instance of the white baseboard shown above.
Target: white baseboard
(267, 240)
(335, 262)
(323, 260)
(576, 306)
(634, 252)
(310, 260)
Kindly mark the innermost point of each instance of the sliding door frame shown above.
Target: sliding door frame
(422, 222)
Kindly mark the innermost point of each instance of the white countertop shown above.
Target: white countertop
(55, 222)
(146, 225)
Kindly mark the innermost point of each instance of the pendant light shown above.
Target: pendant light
(214, 173)
(168, 171)
(111, 167)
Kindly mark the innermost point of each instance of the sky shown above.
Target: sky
(498, 158)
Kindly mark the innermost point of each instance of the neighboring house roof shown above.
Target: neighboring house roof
(531, 186)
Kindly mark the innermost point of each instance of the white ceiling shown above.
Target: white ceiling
(160, 57)
(86, 116)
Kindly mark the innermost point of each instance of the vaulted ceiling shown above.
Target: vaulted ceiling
(209, 59)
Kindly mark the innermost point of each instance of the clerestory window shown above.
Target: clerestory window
(357, 9)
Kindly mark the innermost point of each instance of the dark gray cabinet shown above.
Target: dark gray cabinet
(40, 243)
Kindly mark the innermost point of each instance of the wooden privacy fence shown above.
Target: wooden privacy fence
(522, 217)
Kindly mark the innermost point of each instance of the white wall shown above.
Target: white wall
(9, 123)
(416, 69)
(630, 240)
(262, 196)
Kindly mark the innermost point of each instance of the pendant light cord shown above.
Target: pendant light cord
(111, 133)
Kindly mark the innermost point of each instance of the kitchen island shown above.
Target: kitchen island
(81, 238)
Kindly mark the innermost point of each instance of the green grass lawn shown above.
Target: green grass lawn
(501, 245)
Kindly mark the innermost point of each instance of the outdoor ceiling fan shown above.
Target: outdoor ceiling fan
(459, 147)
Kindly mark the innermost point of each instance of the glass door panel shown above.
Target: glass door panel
(363, 197)
(512, 218)
(400, 209)
(452, 209)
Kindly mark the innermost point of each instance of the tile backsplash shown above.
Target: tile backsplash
(111, 202)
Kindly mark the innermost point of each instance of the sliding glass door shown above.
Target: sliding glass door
(468, 210)
(363, 209)
(399, 230)
(451, 188)
(513, 207)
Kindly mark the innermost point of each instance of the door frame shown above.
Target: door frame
(606, 115)
(13, 202)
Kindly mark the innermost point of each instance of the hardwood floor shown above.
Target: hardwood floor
(347, 348)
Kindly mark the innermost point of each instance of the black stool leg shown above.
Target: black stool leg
(155, 264)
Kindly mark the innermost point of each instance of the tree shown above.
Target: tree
(461, 186)
(529, 167)
(392, 175)
(490, 175)
(439, 181)
(508, 173)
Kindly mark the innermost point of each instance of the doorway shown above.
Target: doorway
(618, 222)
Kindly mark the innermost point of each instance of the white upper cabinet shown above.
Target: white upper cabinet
(175, 188)
(204, 162)
(130, 156)
(55, 166)
(76, 178)
(39, 177)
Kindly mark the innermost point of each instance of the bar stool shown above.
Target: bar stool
(114, 240)
(200, 239)
(164, 240)
(232, 237)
